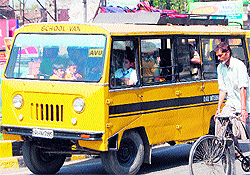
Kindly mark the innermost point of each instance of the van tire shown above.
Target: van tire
(39, 162)
(128, 159)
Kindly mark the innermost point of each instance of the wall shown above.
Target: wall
(76, 9)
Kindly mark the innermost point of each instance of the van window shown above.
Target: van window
(188, 58)
(157, 63)
(236, 46)
(57, 57)
(209, 59)
(248, 43)
(123, 69)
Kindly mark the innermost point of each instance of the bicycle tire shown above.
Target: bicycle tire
(209, 155)
(245, 164)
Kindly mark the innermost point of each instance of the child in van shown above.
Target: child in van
(71, 72)
(58, 71)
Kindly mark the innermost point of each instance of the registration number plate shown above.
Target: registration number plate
(43, 133)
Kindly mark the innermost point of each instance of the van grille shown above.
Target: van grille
(47, 112)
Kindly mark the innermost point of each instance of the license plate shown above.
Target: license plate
(43, 133)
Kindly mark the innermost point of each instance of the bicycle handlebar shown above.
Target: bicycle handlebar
(220, 115)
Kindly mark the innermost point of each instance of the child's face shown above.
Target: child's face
(59, 72)
(73, 68)
(126, 64)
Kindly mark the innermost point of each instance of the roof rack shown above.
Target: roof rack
(192, 19)
(161, 18)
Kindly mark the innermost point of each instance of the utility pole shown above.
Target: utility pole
(85, 10)
(55, 11)
(23, 11)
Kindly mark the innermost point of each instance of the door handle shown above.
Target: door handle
(178, 127)
(202, 88)
(178, 93)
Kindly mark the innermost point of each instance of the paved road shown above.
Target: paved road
(165, 160)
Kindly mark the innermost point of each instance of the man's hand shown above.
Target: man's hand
(244, 115)
(217, 113)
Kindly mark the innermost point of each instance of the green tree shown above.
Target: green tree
(179, 5)
(34, 7)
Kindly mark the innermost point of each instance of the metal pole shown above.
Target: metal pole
(23, 11)
(20, 10)
(55, 11)
(86, 12)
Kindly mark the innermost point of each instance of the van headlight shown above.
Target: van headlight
(17, 101)
(78, 105)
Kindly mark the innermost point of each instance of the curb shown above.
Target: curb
(12, 162)
(18, 162)
(11, 155)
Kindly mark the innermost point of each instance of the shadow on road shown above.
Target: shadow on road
(163, 158)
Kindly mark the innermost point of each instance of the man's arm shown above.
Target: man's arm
(222, 96)
(196, 58)
(243, 97)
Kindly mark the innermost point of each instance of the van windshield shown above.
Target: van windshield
(57, 57)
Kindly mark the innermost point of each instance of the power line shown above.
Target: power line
(45, 10)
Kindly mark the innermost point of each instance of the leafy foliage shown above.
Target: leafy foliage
(179, 5)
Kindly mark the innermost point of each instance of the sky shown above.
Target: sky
(28, 2)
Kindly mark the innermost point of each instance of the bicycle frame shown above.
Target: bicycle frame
(228, 135)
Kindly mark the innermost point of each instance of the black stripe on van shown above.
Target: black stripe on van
(176, 102)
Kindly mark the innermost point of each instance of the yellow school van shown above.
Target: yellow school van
(113, 90)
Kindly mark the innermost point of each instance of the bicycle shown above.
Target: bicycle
(216, 155)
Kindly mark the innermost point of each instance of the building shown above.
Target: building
(6, 11)
(4, 2)
(72, 10)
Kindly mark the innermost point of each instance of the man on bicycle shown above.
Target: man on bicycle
(233, 83)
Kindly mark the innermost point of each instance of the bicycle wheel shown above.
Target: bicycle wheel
(209, 155)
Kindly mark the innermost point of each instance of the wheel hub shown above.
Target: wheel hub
(126, 152)
(209, 162)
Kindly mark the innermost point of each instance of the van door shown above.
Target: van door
(159, 104)
(124, 93)
(189, 88)
(211, 92)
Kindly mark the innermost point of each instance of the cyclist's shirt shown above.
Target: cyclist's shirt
(231, 79)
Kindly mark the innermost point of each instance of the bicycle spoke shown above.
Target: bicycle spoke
(208, 156)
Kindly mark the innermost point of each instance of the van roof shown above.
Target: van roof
(131, 29)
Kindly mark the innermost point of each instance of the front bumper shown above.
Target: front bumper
(56, 133)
